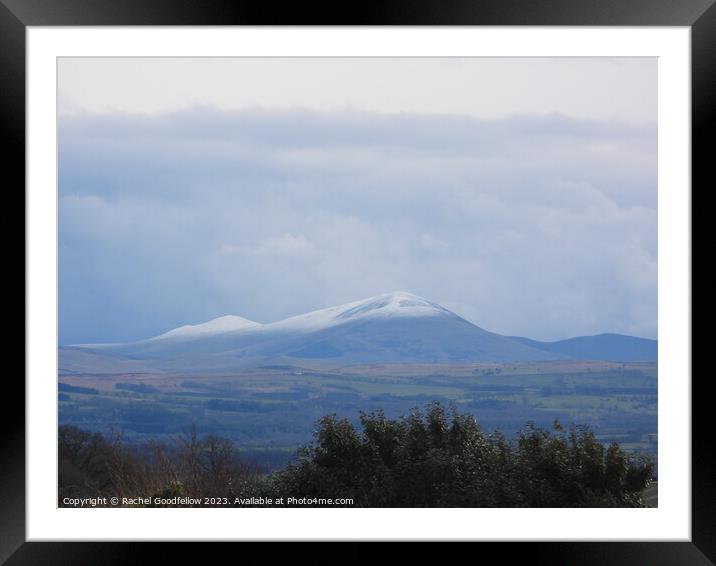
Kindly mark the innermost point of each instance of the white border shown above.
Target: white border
(671, 521)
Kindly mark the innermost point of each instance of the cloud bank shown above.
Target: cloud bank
(596, 88)
(535, 225)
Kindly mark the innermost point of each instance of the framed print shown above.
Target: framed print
(423, 278)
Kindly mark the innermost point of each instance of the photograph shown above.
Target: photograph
(405, 276)
(357, 282)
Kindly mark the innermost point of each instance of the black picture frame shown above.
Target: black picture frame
(699, 15)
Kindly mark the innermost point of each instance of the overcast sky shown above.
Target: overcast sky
(520, 193)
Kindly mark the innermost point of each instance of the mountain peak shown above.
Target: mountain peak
(228, 323)
(395, 304)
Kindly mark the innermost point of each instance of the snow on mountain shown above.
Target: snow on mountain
(390, 328)
(388, 305)
(394, 327)
(229, 323)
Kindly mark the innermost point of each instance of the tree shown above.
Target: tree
(442, 458)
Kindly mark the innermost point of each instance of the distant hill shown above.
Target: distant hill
(610, 347)
(391, 328)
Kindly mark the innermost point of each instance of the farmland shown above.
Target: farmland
(268, 412)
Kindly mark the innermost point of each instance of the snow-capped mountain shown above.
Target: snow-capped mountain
(395, 327)
(386, 306)
(229, 323)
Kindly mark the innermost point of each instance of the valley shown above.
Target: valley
(270, 411)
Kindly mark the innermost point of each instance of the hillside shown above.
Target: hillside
(390, 328)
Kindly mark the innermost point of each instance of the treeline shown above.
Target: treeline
(432, 458)
(92, 465)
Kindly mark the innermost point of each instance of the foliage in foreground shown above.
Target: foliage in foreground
(444, 459)
(91, 465)
(436, 458)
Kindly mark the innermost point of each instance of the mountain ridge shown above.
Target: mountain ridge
(396, 327)
(597, 346)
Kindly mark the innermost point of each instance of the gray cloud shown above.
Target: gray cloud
(542, 226)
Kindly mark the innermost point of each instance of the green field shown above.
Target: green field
(269, 412)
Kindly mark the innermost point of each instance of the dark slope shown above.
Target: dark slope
(609, 347)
